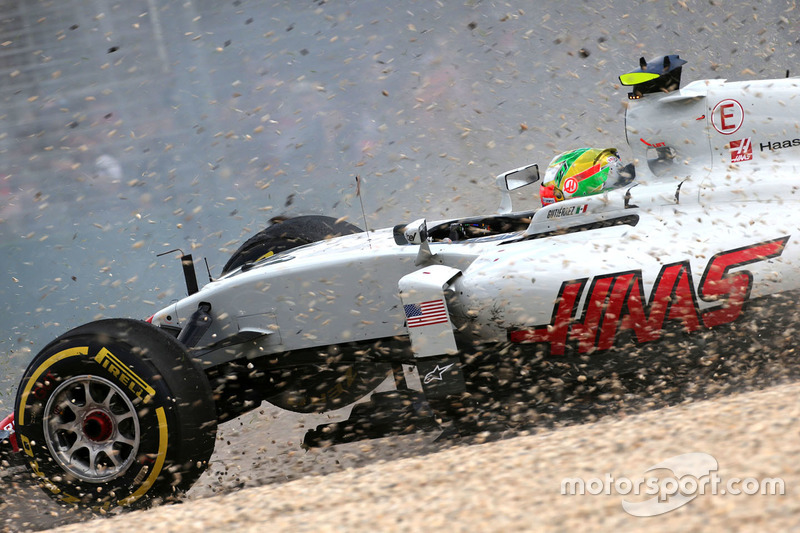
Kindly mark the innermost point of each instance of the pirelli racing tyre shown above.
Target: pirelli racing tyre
(286, 234)
(115, 414)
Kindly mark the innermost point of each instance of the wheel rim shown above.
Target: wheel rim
(91, 428)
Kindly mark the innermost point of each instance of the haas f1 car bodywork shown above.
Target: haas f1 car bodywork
(693, 260)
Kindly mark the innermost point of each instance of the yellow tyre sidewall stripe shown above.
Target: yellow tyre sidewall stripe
(163, 439)
(64, 354)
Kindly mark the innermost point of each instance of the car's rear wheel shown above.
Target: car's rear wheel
(286, 234)
(309, 388)
(115, 414)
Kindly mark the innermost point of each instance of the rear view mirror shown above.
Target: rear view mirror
(414, 233)
(513, 180)
(516, 179)
(417, 232)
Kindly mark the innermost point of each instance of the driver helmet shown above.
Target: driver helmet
(581, 172)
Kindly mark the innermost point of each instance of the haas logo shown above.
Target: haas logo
(741, 150)
(617, 302)
(570, 185)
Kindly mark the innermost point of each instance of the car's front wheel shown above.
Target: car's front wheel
(115, 414)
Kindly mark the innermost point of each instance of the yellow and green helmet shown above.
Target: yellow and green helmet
(580, 172)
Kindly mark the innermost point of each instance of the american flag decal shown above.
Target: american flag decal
(426, 313)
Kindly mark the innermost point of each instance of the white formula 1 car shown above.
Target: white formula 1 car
(692, 265)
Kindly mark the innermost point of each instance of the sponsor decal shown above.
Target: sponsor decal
(426, 313)
(570, 185)
(777, 145)
(127, 377)
(436, 373)
(567, 211)
(741, 150)
(653, 145)
(616, 302)
(727, 116)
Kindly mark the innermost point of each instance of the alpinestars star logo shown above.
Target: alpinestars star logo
(436, 373)
(741, 150)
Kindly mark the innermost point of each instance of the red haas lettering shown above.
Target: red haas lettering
(616, 302)
(733, 288)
